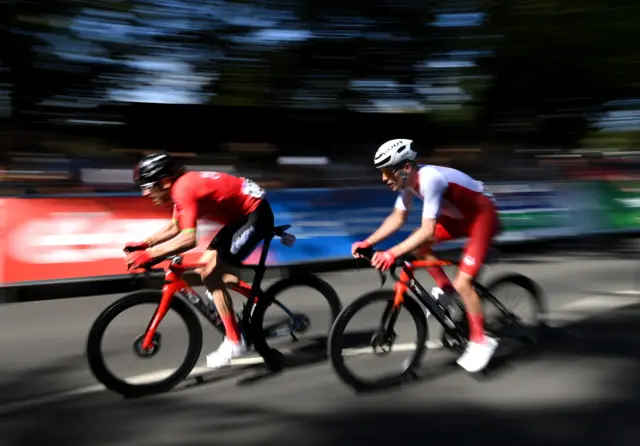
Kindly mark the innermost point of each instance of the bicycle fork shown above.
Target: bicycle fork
(173, 283)
(384, 337)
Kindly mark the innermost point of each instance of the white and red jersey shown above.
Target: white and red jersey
(445, 191)
(216, 196)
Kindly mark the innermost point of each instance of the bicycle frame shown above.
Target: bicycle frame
(175, 284)
(408, 283)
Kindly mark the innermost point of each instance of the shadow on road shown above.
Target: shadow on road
(257, 418)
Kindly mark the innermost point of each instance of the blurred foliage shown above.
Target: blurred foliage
(538, 72)
(555, 65)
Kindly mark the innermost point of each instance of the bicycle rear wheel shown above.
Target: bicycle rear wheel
(297, 322)
(338, 346)
(96, 357)
(503, 320)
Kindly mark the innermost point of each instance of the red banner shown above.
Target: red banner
(49, 238)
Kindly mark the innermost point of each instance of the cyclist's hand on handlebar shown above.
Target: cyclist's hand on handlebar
(383, 260)
(135, 246)
(137, 259)
(359, 245)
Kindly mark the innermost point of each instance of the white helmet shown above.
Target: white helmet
(394, 152)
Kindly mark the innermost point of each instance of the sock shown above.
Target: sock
(476, 328)
(231, 327)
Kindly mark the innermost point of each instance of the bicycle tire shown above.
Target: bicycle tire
(535, 294)
(260, 344)
(336, 342)
(96, 333)
(521, 281)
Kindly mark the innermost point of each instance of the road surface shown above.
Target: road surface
(581, 389)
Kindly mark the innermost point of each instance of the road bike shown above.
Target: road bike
(407, 295)
(176, 295)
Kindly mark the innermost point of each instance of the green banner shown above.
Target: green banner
(523, 220)
(526, 207)
(619, 202)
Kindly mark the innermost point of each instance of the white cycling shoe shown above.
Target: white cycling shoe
(227, 351)
(477, 355)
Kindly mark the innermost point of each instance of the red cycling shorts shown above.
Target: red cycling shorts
(481, 229)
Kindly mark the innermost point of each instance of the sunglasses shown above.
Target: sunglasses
(148, 186)
(388, 171)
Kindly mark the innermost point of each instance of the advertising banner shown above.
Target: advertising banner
(532, 207)
(47, 239)
(619, 201)
(65, 238)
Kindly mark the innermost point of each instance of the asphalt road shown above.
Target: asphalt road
(582, 388)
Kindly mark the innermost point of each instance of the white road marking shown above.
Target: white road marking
(579, 309)
(586, 307)
(252, 360)
(601, 303)
(628, 292)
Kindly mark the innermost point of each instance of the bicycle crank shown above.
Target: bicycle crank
(300, 323)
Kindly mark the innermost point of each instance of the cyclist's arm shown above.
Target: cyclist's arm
(423, 235)
(166, 233)
(432, 187)
(186, 215)
(394, 221)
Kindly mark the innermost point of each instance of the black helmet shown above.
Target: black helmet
(155, 167)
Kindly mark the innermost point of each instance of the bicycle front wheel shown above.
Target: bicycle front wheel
(96, 355)
(340, 344)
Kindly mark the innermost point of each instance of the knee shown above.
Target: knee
(206, 274)
(230, 279)
(210, 260)
(424, 251)
(209, 273)
(213, 281)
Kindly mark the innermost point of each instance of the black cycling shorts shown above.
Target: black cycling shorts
(235, 241)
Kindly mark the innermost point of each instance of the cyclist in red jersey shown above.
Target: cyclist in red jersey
(454, 206)
(238, 204)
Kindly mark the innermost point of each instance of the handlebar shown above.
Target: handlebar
(367, 253)
(148, 269)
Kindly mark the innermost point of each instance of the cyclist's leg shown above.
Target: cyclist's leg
(480, 348)
(442, 233)
(232, 250)
(212, 278)
(245, 240)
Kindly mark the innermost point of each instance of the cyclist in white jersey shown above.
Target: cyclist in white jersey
(454, 206)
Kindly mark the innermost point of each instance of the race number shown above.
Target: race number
(252, 189)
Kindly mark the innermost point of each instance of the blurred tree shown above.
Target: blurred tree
(552, 66)
(540, 71)
(317, 54)
(46, 64)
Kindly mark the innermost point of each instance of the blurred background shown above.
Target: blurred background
(538, 98)
(300, 93)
